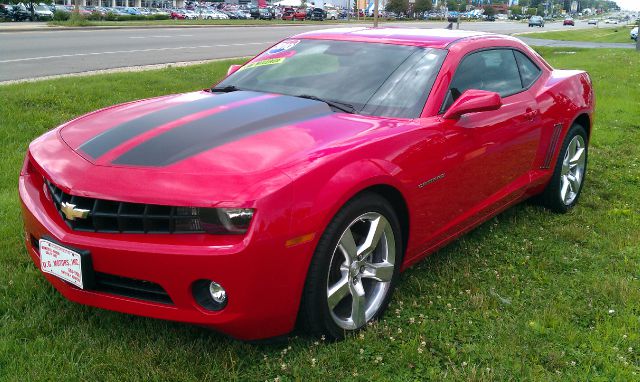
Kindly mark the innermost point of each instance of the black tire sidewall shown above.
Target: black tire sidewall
(315, 310)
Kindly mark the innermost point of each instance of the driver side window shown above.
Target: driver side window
(493, 70)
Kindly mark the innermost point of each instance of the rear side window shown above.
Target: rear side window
(528, 70)
(493, 70)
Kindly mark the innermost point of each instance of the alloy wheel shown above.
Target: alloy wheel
(572, 173)
(361, 269)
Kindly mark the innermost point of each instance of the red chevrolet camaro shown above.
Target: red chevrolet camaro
(296, 190)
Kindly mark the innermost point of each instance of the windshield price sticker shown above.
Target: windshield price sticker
(283, 46)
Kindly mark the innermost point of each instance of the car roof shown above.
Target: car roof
(432, 38)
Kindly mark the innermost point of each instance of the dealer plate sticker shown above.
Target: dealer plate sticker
(61, 262)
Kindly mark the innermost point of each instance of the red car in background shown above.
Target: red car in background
(177, 15)
(569, 22)
(294, 14)
(286, 194)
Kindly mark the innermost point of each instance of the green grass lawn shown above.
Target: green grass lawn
(617, 34)
(528, 295)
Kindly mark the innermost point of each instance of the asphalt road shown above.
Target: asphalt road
(44, 53)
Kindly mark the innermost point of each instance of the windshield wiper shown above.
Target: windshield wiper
(342, 106)
(225, 89)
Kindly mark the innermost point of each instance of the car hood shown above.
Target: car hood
(249, 142)
(194, 132)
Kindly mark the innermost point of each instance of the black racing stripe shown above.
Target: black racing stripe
(110, 139)
(220, 128)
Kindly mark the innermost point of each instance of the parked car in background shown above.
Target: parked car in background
(569, 22)
(490, 18)
(332, 14)
(294, 14)
(178, 14)
(536, 21)
(316, 14)
(5, 13)
(592, 22)
(634, 34)
(261, 13)
(19, 12)
(611, 21)
(42, 12)
(190, 14)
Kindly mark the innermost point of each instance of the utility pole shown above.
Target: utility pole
(375, 13)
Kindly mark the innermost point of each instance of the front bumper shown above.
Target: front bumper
(262, 276)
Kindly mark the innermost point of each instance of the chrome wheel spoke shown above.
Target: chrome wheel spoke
(574, 182)
(358, 305)
(378, 271)
(564, 191)
(577, 158)
(338, 291)
(348, 246)
(376, 229)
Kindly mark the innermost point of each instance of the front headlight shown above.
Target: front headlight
(232, 221)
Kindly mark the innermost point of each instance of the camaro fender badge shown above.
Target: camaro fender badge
(72, 213)
(432, 180)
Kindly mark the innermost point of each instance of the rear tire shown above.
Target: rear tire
(354, 268)
(564, 188)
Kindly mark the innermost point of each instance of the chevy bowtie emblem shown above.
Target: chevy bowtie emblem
(72, 213)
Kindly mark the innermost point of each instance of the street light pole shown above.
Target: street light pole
(375, 13)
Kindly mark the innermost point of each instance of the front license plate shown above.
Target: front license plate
(61, 262)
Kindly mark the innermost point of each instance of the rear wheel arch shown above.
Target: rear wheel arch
(585, 121)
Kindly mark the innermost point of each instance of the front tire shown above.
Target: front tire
(564, 188)
(354, 269)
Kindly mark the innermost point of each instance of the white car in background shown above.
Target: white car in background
(634, 34)
(211, 14)
(190, 15)
(610, 21)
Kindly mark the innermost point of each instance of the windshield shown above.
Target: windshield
(376, 79)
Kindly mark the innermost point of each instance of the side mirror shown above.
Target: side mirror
(232, 69)
(473, 101)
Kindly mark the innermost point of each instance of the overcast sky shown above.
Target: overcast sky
(629, 4)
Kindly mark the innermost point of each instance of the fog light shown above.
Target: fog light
(218, 294)
(209, 295)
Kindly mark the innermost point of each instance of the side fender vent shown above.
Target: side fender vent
(553, 145)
